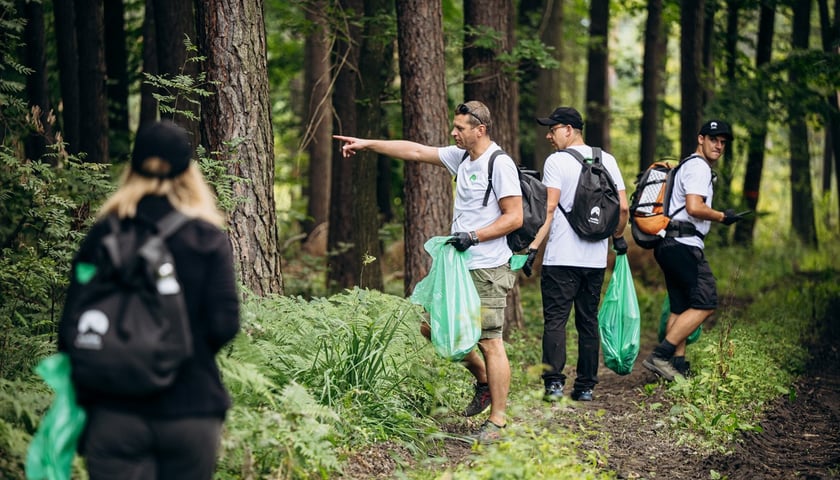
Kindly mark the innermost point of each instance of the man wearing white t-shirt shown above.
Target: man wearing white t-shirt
(573, 267)
(692, 290)
(480, 228)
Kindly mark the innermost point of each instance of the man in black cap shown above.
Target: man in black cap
(573, 266)
(688, 277)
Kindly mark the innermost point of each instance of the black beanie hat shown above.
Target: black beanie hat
(165, 140)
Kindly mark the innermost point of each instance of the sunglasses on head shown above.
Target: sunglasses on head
(463, 109)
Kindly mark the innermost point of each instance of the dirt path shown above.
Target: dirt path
(800, 438)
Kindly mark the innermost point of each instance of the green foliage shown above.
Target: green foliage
(176, 93)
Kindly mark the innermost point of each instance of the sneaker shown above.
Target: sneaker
(582, 395)
(661, 367)
(489, 432)
(480, 401)
(553, 392)
(684, 367)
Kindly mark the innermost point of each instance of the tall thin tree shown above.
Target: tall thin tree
(597, 88)
(233, 40)
(651, 82)
(64, 14)
(692, 14)
(93, 98)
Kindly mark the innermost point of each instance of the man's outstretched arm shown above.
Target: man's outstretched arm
(401, 149)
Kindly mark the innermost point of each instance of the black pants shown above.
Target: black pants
(131, 447)
(561, 288)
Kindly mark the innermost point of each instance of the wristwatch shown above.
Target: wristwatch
(474, 237)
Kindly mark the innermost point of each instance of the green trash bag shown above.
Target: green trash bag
(449, 295)
(619, 320)
(50, 455)
(663, 323)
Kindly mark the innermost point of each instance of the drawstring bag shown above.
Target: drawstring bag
(619, 320)
(663, 323)
(50, 455)
(449, 295)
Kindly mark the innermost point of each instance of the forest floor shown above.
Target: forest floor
(800, 435)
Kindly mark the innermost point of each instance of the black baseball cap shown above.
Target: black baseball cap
(166, 140)
(716, 128)
(564, 116)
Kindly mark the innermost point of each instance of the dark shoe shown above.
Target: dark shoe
(480, 401)
(489, 432)
(582, 395)
(683, 366)
(661, 367)
(553, 392)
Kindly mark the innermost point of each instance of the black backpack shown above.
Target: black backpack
(650, 205)
(130, 328)
(534, 199)
(595, 209)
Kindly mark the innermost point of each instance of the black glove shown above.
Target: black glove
(529, 262)
(463, 240)
(620, 245)
(730, 217)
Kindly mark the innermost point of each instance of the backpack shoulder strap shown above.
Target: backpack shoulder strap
(170, 223)
(578, 156)
(490, 174)
(111, 242)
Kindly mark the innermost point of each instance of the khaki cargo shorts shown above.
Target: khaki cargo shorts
(493, 285)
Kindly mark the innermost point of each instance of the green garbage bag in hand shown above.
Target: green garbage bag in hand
(619, 320)
(449, 295)
(663, 323)
(50, 455)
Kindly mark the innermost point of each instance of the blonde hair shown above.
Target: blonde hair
(188, 193)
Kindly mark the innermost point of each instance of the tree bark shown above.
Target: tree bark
(802, 203)
(175, 20)
(549, 92)
(116, 67)
(692, 14)
(757, 130)
(317, 139)
(340, 268)
(148, 104)
(93, 99)
(651, 83)
(428, 189)
(597, 93)
(37, 89)
(234, 44)
(68, 68)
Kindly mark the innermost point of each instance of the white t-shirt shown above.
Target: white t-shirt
(564, 246)
(470, 213)
(693, 177)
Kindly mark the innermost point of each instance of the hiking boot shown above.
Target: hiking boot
(683, 366)
(553, 392)
(489, 432)
(480, 401)
(661, 367)
(582, 395)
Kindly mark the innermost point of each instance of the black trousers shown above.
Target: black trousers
(130, 447)
(561, 288)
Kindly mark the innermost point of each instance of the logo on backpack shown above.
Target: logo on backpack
(534, 199)
(131, 330)
(650, 205)
(595, 208)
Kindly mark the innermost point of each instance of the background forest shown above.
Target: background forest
(327, 244)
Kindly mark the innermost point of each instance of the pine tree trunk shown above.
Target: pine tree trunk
(234, 43)
(93, 100)
(116, 65)
(68, 68)
(597, 94)
(428, 189)
(691, 71)
(651, 83)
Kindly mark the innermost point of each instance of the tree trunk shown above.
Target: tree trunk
(757, 130)
(597, 93)
(68, 68)
(116, 66)
(829, 31)
(148, 104)
(428, 189)
(37, 89)
(340, 271)
(651, 83)
(234, 44)
(375, 62)
(802, 204)
(549, 92)
(691, 71)
(317, 137)
(93, 99)
(486, 80)
(175, 21)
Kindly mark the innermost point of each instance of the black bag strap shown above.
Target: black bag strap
(596, 158)
(490, 174)
(166, 226)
